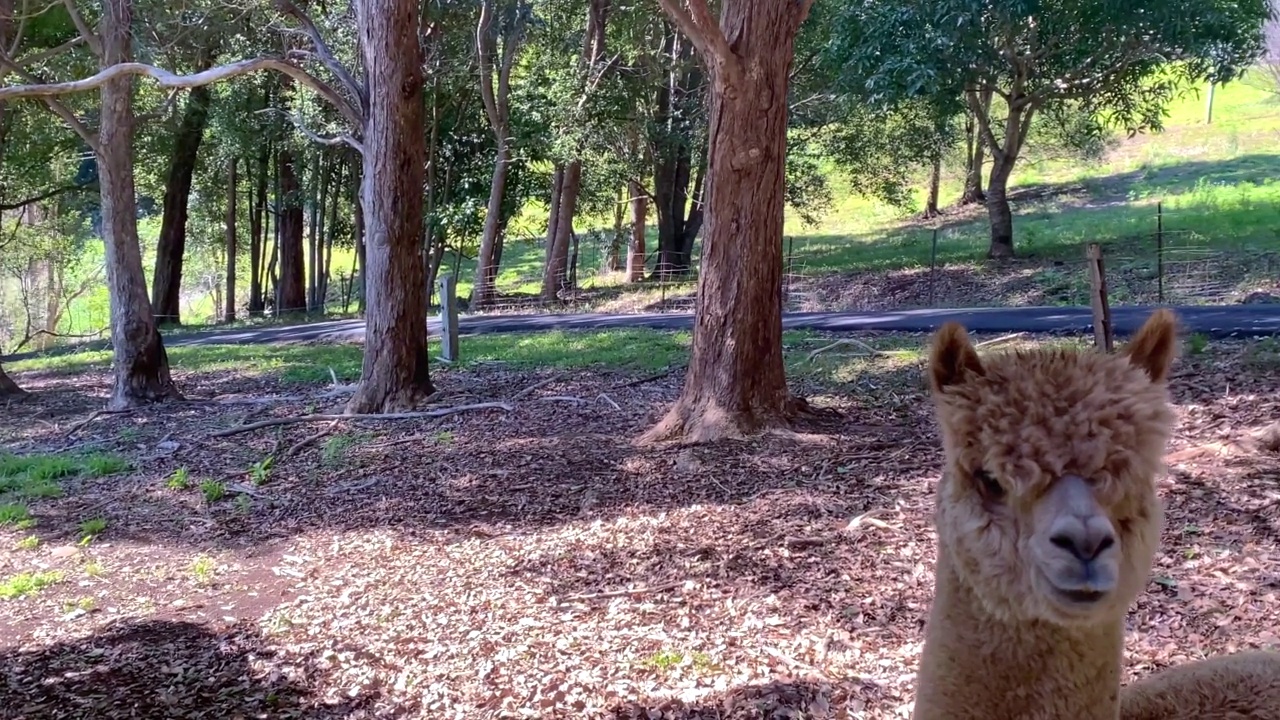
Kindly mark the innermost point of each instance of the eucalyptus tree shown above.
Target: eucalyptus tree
(1122, 62)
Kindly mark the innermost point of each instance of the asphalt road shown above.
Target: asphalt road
(1214, 321)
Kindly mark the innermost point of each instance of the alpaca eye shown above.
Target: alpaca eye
(987, 482)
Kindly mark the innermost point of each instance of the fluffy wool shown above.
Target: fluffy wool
(1048, 521)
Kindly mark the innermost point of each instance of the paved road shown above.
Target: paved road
(1214, 321)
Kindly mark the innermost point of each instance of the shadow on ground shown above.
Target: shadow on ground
(767, 701)
(161, 669)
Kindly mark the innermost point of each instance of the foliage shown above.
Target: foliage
(1124, 61)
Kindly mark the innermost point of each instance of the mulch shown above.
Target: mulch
(534, 563)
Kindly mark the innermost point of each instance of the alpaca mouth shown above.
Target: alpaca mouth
(1081, 597)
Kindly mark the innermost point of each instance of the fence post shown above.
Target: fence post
(1101, 309)
(933, 266)
(1160, 251)
(449, 317)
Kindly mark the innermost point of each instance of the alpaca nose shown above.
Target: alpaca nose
(1085, 538)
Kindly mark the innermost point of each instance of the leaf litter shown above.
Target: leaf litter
(535, 564)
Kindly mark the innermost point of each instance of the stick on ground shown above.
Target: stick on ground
(442, 412)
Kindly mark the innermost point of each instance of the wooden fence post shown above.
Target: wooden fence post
(1102, 337)
(448, 317)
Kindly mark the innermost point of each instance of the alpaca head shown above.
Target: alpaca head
(1047, 506)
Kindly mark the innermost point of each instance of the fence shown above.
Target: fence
(1164, 262)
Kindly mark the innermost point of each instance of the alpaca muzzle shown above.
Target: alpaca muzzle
(1076, 546)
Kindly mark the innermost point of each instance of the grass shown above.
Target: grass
(36, 476)
(639, 350)
(28, 583)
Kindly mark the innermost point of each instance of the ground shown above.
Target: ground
(533, 562)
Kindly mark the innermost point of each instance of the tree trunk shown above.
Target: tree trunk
(556, 279)
(998, 210)
(327, 231)
(362, 253)
(935, 185)
(139, 360)
(552, 231)
(229, 314)
(736, 383)
(975, 147)
(166, 283)
(313, 237)
(293, 281)
(486, 262)
(9, 389)
(636, 253)
(613, 262)
(394, 375)
(257, 239)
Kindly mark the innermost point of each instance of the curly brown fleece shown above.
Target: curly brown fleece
(998, 643)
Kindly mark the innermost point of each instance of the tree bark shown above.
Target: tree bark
(257, 236)
(313, 238)
(553, 221)
(293, 281)
(975, 154)
(166, 282)
(139, 360)
(394, 375)
(736, 383)
(229, 313)
(362, 253)
(935, 185)
(556, 279)
(9, 389)
(636, 253)
(613, 262)
(998, 211)
(486, 261)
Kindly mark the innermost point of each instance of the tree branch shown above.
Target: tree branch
(5, 207)
(170, 80)
(86, 32)
(484, 52)
(326, 55)
(328, 141)
(701, 28)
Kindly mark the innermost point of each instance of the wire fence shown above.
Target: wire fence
(1167, 263)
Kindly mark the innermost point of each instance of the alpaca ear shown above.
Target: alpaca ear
(952, 356)
(1155, 345)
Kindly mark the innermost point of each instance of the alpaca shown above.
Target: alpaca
(1048, 522)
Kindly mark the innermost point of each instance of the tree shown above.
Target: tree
(140, 363)
(1121, 61)
(8, 388)
(736, 383)
(166, 282)
(497, 106)
(394, 374)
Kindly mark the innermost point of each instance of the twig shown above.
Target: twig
(647, 379)
(442, 412)
(94, 416)
(310, 439)
(535, 386)
(999, 340)
(563, 398)
(609, 400)
(621, 593)
(867, 349)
